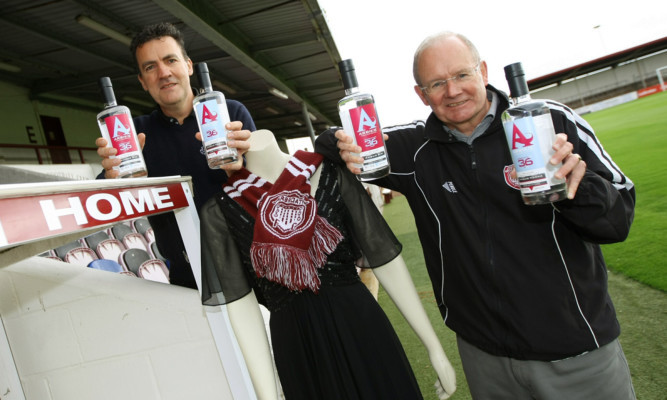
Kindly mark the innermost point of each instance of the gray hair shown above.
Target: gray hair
(431, 40)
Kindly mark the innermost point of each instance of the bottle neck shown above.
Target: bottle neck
(351, 90)
(521, 99)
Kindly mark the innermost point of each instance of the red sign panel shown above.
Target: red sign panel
(35, 217)
(649, 91)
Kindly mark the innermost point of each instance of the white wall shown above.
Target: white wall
(77, 333)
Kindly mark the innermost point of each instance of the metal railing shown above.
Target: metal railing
(38, 147)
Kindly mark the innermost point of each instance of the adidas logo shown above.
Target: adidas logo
(449, 186)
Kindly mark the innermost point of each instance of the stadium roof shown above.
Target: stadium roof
(610, 60)
(59, 48)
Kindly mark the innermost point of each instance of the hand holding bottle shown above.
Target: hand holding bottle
(106, 152)
(573, 168)
(349, 151)
(237, 138)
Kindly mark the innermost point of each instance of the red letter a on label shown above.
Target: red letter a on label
(519, 137)
(206, 115)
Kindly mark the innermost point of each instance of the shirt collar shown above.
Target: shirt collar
(174, 121)
(483, 126)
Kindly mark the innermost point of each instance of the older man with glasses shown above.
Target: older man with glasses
(524, 287)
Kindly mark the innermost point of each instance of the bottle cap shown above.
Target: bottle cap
(107, 91)
(347, 74)
(516, 80)
(202, 74)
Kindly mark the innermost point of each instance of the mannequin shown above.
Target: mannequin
(266, 160)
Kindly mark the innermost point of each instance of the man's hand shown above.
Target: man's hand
(573, 168)
(238, 139)
(105, 152)
(349, 152)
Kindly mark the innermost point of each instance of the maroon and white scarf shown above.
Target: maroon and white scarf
(290, 240)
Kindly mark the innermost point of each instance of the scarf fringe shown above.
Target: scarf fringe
(293, 267)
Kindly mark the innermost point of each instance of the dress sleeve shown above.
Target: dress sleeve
(368, 228)
(223, 276)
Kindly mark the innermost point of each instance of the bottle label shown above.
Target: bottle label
(121, 134)
(368, 134)
(530, 140)
(212, 126)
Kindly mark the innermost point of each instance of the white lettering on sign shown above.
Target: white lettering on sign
(113, 206)
(52, 215)
(140, 203)
(94, 210)
(159, 198)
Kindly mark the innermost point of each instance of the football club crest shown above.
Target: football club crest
(511, 182)
(288, 213)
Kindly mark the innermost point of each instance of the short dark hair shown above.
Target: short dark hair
(156, 31)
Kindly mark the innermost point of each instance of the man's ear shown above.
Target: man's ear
(421, 95)
(142, 81)
(190, 67)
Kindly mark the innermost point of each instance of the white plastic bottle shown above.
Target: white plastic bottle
(117, 128)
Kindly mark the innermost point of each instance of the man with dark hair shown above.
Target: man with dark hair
(168, 134)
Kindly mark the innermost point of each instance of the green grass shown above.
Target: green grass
(635, 135)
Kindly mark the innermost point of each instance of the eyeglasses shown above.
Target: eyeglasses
(439, 86)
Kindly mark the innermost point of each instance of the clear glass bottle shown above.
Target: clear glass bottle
(359, 118)
(212, 116)
(530, 135)
(117, 128)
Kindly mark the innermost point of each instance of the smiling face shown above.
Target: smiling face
(462, 104)
(165, 73)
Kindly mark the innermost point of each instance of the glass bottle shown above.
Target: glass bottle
(359, 118)
(530, 135)
(117, 128)
(212, 116)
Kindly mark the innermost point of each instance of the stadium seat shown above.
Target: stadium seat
(50, 254)
(110, 249)
(154, 270)
(119, 231)
(143, 227)
(80, 256)
(61, 251)
(132, 259)
(106, 265)
(155, 252)
(135, 241)
(94, 239)
(150, 235)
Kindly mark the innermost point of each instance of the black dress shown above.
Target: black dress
(337, 344)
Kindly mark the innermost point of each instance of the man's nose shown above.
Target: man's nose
(163, 70)
(452, 88)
